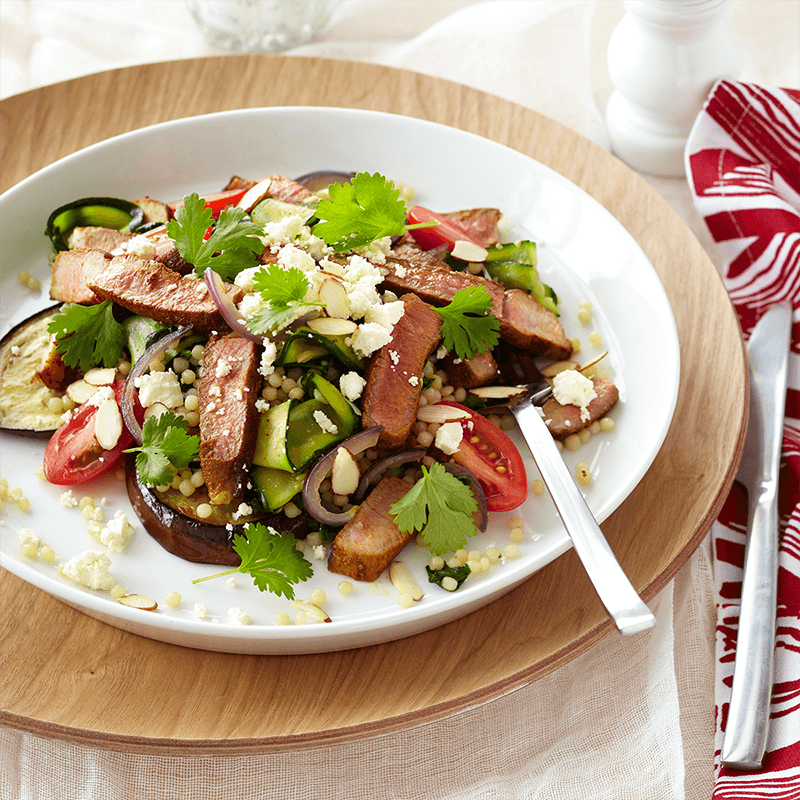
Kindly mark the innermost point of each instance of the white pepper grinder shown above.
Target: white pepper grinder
(663, 59)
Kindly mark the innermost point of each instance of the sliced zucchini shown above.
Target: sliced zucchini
(272, 210)
(305, 346)
(276, 487)
(101, 212)
(514, 265)
(271, 438)
(141, 332)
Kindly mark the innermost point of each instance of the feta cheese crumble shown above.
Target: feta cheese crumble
(325, 423)
(352, 385)
(238, 617)
(116, 533)
(570, 387)
(369, 337)
(159, 387)
(90, 569)
(448, 437)
(141, 246)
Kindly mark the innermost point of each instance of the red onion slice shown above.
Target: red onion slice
(322, 179)
(227, 308)
(311, 497)
(379, 468)
(462, 472)
(137, 370)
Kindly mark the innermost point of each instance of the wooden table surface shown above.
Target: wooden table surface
(68, 676)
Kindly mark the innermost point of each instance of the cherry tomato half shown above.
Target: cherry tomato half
(73, 454)
(218, 202)
(493, 459)
(445, 232)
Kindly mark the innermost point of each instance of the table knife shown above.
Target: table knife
(748, 715)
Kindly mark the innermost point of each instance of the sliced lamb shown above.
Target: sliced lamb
(480, 222)
(71, 272)
(54, 373)
(394, 377)
(371, 541)
(411, 255)
(527, 324)
(469, 373)
(228, 415)
(153, 290)
(239, 183)
(173, 260)
(564, 420)
(95, 238)
(289, 191)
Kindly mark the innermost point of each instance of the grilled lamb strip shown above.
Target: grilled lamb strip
(54, 373)
(228, 415)
(71, 272)
(289, 191)
(528, 324)
(469, 373)
(564, 420)
(394, 377)
(480, 222)
(239, 183)
(173, 260)
(96, 238)
(411, 255)
(370, 541)
(153, 290)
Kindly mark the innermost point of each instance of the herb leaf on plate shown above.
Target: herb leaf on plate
(166, 445)
(467, 326)
(88, 336)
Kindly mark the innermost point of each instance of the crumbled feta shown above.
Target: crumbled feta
(319, 552)
(244, 280)
(386, 314)
(377, 250)
(449, 436)
(369, 337)
(231, 582)
(570, 387)
(159, 387)
(102, 394)
(351, 385)
(361, 277)
(15, 350)
(243, 511)
(200, 611)
(282, 231)
(268, 356)
(325, 423)
(290, 256)
(28, 536)
(223, 368)
(395, 356)
(400, 270)
(117, 532)
(141, 246)
(91, 569)
(414, 380)
(238, 617)
(68, 499)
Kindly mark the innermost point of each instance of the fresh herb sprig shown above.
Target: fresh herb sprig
(87, 336)
(233, 245)
(284, 292)
(166, 445)
(458, 574)
(357, 213)
(440, 507)
(467, 325)
(271, 558)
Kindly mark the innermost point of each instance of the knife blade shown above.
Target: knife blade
(748, 714)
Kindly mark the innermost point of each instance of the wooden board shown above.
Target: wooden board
(68, 676)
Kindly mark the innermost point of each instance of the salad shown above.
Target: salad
(293, 359)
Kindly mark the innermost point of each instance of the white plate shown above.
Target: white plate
(584, 253)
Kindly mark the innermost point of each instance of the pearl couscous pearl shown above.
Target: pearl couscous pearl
(510, 551)
(282, 618)
(318, 597)
(345, 587)
(538, 487)
(173, 599)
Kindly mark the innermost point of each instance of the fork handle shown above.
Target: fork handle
(613, 588)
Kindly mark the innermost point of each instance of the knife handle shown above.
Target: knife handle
(615, 591)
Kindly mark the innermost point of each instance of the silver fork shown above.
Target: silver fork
(615, 591)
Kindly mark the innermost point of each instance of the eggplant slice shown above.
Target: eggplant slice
(24, 397)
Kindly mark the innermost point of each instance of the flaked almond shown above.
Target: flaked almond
(333, 296)
(593, 362)
(403, 580)
(469, 251)
(345, 474)
(551, 370)
(138, 601)
(155, 410)
(330, 326)
(79, 391)
(108, 424)
(100, 376)
(440, 414)
(315, 612)
(497, 392)
(253, 196)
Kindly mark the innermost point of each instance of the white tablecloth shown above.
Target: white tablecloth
(638, 722)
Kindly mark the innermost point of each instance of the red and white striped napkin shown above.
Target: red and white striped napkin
(744, 173)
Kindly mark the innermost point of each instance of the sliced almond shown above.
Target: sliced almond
(138, 601)
(497, 392)
(330, 326)
(592, 362)
(441, 414)
(79, 391)
(100, 376)
(253, 196)
(403, 580)
(155, 410)
(345, 474)
(333, 296)
(469, 251)
(314, 611)
(551, 370)
(108, 424)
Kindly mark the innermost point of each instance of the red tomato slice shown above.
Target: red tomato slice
(218, 202)
(493, 459)
(446, 232)
(73, 454)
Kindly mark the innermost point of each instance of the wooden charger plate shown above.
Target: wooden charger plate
(69, 676)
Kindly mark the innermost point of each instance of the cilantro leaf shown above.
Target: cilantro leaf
(440, 506)
(357, 213)
(234, 244)
(458, 574)
(271, 558)
(467, 326)
(166, 445)
(87, 336)
(284, 291)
